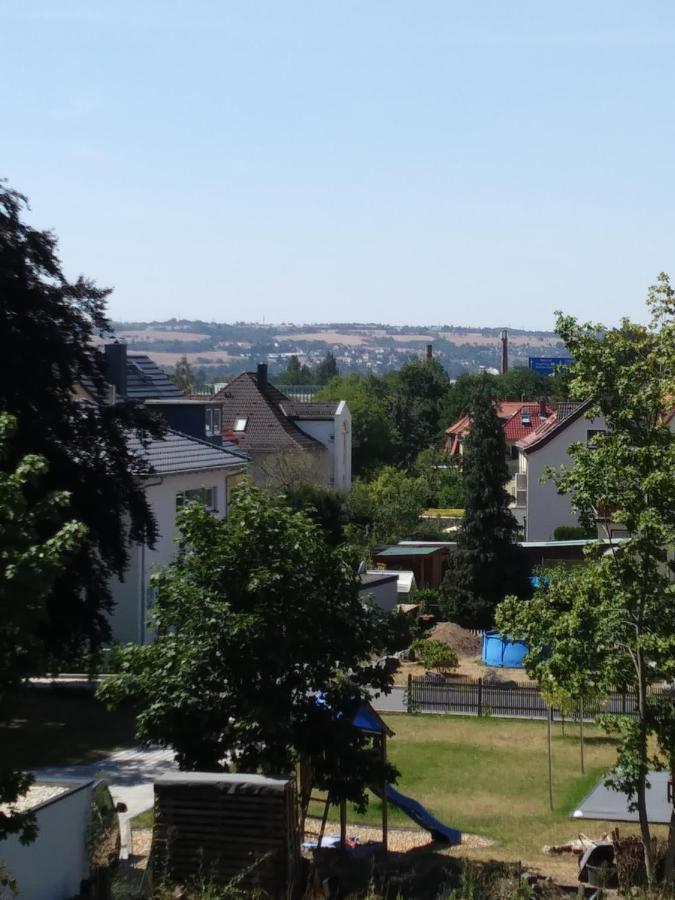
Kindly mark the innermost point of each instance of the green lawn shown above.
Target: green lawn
(489, 776)
(49, 728)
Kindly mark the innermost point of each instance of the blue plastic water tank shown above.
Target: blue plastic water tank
(503, 654)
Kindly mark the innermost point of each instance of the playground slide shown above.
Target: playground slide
(421, 816)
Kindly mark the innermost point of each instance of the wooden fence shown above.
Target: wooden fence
(476, 697)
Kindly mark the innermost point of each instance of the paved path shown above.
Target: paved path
(130, 775)
(394, 702)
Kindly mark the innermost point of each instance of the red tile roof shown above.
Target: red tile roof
(510, 413)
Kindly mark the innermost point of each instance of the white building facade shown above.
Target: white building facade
(185, 469)
(538, 507)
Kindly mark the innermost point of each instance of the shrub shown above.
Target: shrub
(428, 601)
(574, 533)
(435, 655)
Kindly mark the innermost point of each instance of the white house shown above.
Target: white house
(538, 507)
(287, 440)
(180, 468)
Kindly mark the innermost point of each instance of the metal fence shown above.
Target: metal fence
(301, 393)
(475, 697)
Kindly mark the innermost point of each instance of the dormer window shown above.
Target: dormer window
(240, 424)
(525, 416)
(213, 421)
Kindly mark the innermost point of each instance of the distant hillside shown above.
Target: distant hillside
(220, 350)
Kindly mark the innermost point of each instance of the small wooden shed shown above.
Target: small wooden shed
(218, 826)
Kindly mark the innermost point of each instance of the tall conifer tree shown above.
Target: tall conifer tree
(487, 563)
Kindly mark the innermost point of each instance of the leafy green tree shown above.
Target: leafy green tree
(387, 508)
(610, 624)
(255, 616)
(522, 383)
(443, 476)
(49, 326)
(325, 507)
(326, 369)
(419, 388)
(295, 373)
(487, 564)
(374, 441)
(35, 545)
(183, 376)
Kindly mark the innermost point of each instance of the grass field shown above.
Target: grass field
(489, 776)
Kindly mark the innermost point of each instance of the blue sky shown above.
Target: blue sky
(410, 162)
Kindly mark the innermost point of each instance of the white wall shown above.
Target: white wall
(336, 435)
(128, 621)
(546, 509)
(52, 867)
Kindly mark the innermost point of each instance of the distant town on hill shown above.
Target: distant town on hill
(217, 351)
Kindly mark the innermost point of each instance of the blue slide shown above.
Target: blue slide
(421, 816)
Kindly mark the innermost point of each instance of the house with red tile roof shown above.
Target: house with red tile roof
(519, 419)
(538, 507)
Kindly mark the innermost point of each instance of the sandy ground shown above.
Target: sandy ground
(563, 868)
(470, 668)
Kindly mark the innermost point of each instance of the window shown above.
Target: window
(206, 496)
(240, 424)
(213, 421)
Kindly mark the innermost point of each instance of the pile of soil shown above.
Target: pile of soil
(463, 642)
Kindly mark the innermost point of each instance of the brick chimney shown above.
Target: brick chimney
(115, 366)
(429, 353)
(504, 367)
(262, 375)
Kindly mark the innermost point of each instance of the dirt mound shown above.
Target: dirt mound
(463, 642)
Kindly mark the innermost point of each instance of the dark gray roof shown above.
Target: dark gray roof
(269, 427)
(177, 452)
(145, 380)
(370, 578)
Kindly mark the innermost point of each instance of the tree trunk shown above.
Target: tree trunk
(645, 832)
(669, 871)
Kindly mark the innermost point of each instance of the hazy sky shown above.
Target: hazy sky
(334, 160)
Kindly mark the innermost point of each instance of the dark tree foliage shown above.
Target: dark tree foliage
(487, 563)
(418, 389)
(49, 325)
(295, 373)
(325, 507)
(326, 369)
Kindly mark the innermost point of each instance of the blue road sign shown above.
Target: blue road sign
(547, 365)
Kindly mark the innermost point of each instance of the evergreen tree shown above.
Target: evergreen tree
(49, 326)
(326, 369)
(295, 373)
(487, 563)
(183, 375)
